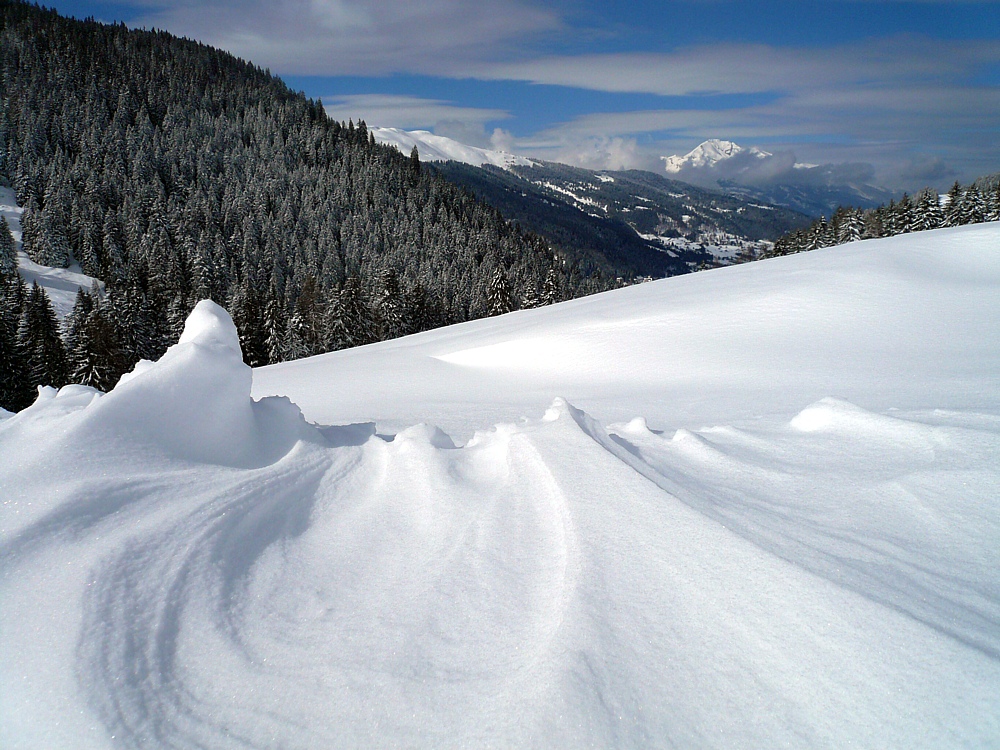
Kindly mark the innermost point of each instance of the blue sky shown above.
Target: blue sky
(907, 93)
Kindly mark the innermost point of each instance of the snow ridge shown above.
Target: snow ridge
(440, 148)
(185, 566)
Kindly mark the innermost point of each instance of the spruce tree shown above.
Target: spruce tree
(94, 352)
(8, 255)
(551, 292)
(15, 389)
(275, 329)
(953, 211)
(498, 299)
(390, 306)
(38, 337)
(414, 163)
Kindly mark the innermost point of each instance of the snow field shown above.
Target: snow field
(182, 566)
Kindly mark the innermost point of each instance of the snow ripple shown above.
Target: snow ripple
(221, 574)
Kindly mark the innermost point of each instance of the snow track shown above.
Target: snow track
(183, 567)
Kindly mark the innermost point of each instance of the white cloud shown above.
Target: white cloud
(356, 37)
(753, 68)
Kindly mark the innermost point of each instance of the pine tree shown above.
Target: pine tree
(551, 292)
(8, 255)
(928, 211)
(354, 324)
(244, 307)
(38, 337)
(275, 328)
(905, 215)
(390, 306)
(94, 352)
(15, 390)
(498, 299)
(414, 163)
(953, 211)
(973, 208)
(855, 226)
(994, 213)
(530, 299)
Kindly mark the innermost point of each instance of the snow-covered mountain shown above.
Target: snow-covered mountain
(778, 178)
(751, 507)
(709, 154)
(628, 222)
(439, 148)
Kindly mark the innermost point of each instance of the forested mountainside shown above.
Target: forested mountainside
(811, 199)
(174, 172)
(632, 220)
(972, 204)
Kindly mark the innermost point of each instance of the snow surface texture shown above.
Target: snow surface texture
(184, 567)
(439, 148)
(61, 284)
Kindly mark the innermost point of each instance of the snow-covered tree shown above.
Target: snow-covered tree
(498, 298)
(38, 337)
(8, 255)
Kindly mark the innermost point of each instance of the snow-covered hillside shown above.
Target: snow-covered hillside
(61, 284)
(439, 148)
(751, 507)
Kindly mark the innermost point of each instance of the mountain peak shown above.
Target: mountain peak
(709, 153)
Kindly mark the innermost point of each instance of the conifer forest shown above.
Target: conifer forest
(174, 172)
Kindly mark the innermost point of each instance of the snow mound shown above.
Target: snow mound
(551, 582)
(181, 566)
(210, 325)
(194, 404)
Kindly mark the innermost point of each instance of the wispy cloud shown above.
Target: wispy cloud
(754, 68)
(357, 37)
(883, 102)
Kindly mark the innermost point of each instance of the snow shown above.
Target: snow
(440, 148)
(708, 154)
(580, 200)
(749, 507)
(61, 284)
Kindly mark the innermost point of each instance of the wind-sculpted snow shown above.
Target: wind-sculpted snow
(181, 566)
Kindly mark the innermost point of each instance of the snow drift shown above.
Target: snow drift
(183, 566)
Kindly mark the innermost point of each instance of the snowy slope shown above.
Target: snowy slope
(61, 284)
(439, 148)
(763, 515)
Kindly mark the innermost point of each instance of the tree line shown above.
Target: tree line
(971, 204)
(175, 172)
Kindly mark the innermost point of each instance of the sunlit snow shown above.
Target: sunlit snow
(433, 147)
(750, 507)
